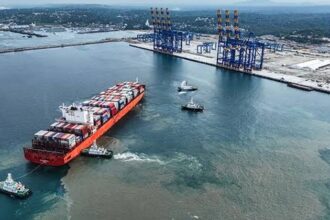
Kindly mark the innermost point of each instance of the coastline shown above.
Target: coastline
(43, 47)
(283, 78)
(311, 85)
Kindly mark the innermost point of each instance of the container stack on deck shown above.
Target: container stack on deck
(64, 135)
(54, 141)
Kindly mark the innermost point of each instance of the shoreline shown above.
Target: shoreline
(43, 47)
(203, 59)
(283, 78)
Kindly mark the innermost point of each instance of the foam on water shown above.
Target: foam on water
(181, 159)
(129, 157)
(189, 160)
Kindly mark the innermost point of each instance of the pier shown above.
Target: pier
(211, 60)
(24, 32)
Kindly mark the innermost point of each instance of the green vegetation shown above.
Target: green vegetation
(300, 26)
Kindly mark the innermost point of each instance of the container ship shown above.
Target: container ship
(82, 124)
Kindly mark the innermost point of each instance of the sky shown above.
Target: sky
(171, 2)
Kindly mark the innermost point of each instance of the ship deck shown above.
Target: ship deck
(52, 158)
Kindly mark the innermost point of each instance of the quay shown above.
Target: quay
(306, 84)
(228, 49)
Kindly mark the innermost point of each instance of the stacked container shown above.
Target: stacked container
(97, 121)
(82, 131)
(63, 136)
(103, 112)
(114, 99)
(54, 139)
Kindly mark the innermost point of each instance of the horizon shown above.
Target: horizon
(169, 3)
(266, 8)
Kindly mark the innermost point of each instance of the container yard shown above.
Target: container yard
(82, 124)
(233, 49)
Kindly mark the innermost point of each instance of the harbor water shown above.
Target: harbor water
(260, 150)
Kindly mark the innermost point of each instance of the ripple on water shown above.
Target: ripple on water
(185, 170)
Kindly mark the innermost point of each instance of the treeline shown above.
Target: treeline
(296, 26)
(281, 24)
(63, 16)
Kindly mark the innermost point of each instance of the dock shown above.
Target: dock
(228, 49)
(211, 60)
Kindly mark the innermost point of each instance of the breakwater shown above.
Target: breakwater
(24, 32)
(20, 49)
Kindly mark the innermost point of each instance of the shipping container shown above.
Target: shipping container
(113, 111)
(76, 129)
(97, 120)
(63, 139)
(135, 92)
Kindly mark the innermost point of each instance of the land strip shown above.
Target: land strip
(108, 40)
(265, 73)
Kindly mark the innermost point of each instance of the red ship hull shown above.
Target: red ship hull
(52, 158)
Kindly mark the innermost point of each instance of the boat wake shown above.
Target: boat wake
(179, 160)
(129, 157)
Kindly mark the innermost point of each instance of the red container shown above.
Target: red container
(113, 111)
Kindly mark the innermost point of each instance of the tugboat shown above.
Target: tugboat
(184, 87)
(191, 106)
(95, 151)
(12, 188)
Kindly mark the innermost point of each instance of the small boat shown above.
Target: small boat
(95, 151)
(184, 87)
(13, 188)
(191, 106)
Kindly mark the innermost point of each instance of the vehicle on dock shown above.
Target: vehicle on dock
(95, 151)
(191, 106)
(13, 188)
(184, 87)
